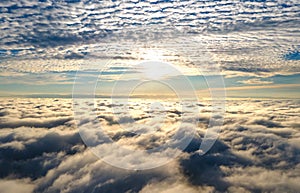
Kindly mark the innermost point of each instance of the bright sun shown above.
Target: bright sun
(151, 54)
(155, 65)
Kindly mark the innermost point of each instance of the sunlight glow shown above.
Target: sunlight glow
(151, 54)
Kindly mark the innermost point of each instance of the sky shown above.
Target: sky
(106, 96)
(252, 45)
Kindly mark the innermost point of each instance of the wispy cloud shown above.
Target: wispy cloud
(255, 81)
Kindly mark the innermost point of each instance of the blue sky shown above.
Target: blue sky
(254, 44)
(277, 86)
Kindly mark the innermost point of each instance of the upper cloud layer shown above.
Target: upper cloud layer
(251, 37)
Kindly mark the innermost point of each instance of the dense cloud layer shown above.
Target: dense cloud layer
(53, 23)
(257, 151)
(254, 37)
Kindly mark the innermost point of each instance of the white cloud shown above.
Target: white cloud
(256, 151)
(255, 81)
(241, 37)
(9, 186)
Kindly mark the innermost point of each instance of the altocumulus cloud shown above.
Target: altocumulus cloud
(257, 151)
(253, 37)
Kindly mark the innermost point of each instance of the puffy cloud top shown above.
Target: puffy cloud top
(258, 150)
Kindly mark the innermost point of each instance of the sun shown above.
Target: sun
(157, 70)
(151, 54)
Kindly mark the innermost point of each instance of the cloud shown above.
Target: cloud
(242, 37)
(261, 87)
(165, 187)
(255, 81)
(256, 151)
(8, 186)
(257, 178)
(29, 122)
(41, 149)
